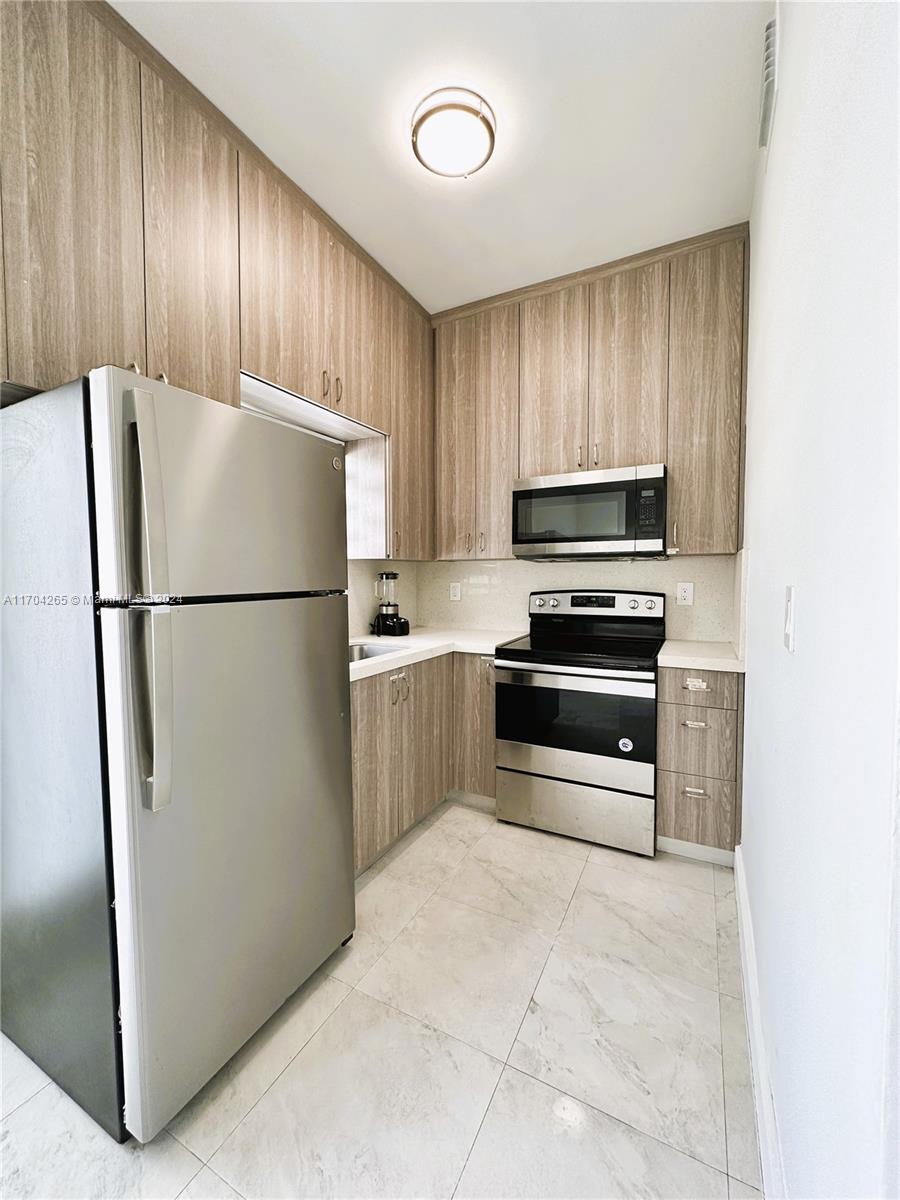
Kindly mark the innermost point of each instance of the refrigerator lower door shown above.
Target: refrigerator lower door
(195, 498)
(232, 828)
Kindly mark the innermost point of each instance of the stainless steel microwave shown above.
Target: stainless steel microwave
(618, 513)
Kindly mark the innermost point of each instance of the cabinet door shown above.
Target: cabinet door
(703, 456)
(317, 374)
(456, 371)
(412, 437)
(372, 705)
(385, 314)
(496, 429)
(424, 715)
(553, 382)
(473, 768)
(70, 158)
(629, 363)
(191, 245)
(272, 266)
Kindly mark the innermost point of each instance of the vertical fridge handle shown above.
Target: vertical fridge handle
(158, 782)
(151, 492)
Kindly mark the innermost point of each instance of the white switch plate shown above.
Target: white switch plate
(790, 617)
(684, 593)
(456, 591)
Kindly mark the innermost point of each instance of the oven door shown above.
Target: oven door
(585, 728)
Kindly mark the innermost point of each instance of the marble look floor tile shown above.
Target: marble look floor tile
(667, 929)
(742, 1191)
(519, 882)
(206, 1185)
(468, 824)
(50, 1148)
(384, 906)
(376, 1104)
(641, 1047)
(19, 1076)
(466, 972)
(664, 868)
(728, 945)
(424, 858)
(724, 880)
(540, 839)
(537, 1141)
(205, 1122)
(740, 1113)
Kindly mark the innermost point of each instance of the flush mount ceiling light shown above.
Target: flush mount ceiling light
(453, 132)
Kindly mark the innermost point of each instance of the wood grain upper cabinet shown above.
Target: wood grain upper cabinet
(70, 158)
(191, 245)
(704, 415)
(553, 382)
(316, 286)
(456, 478)
(629, 361)
(412, 435)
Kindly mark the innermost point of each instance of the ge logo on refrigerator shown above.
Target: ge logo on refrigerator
(626, 744)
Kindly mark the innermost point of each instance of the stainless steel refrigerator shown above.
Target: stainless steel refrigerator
(176, 810)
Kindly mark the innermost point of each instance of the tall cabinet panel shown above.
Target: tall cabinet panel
(553, 382)
(191, 245)
(373, 738)
(703, 455)
(456, 371)
(412, 436)
(497, 429)
(70, 158)
(629, 361)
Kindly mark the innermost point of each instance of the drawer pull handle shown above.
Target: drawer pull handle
(694, 791)
(695, 724)
(695, 685)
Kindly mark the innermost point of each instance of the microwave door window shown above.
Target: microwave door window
(590, 516)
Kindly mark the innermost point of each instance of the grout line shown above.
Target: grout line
(427, 1025)
(179, 1194)
(27, 1099)
(487, 1109)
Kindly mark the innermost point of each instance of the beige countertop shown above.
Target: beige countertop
(424, 642)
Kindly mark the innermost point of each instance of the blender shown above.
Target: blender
(388, 620)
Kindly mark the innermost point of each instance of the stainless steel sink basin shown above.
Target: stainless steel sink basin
(370, 650)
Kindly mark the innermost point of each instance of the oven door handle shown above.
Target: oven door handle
(576, 683)
(587, 672)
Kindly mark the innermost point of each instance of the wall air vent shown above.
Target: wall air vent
(769, 82)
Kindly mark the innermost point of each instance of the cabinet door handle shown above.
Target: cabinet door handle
(326, 384)
(596, 453)
(163, 377)
(673, 549)
(468, 543)
(694, 791)
(395, 691)
(405, 682)
(396, 541)
(481, 542)
(695, 685)
(135, 366)
(695, 724)
(339, 390)
(580, 455)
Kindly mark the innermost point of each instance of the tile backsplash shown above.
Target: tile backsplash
(495, 594)
(361, 588)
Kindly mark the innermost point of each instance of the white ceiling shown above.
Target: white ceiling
(620, 126)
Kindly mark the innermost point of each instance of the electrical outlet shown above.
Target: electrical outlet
(456, 591)
(684, 593)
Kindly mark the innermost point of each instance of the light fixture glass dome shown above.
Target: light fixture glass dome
(453, 132)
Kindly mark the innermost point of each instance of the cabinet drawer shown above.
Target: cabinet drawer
(707, 689)
(696, 741)
(695, 809)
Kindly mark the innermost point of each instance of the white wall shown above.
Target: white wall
(822, 515)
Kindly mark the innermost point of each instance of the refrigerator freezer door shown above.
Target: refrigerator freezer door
(195, 498)
(230, 895)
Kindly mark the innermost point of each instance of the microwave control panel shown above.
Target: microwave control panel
(649, 509)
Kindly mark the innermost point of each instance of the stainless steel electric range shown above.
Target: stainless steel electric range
(576, 717)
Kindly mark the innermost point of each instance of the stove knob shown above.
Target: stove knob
(632, 603)
(650, 604)
(554, 603)
(539, 603)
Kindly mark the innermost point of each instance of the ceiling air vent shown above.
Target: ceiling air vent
(769, 82)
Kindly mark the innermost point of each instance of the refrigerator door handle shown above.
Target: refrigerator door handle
(158, 782)
(151, 493)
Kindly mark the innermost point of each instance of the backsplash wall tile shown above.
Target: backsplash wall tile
(361, 588)
(495, 594)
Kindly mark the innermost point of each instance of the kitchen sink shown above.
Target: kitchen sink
(370, 650)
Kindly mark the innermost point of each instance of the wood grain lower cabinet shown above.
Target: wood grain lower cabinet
(70, 159)
(704, 411)
(401, 731)
(474, 753)
(374, 768)
(692, 808)
(191, 245)
(708, 689)
(696, 740)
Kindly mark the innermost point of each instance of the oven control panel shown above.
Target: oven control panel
(598, 603)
